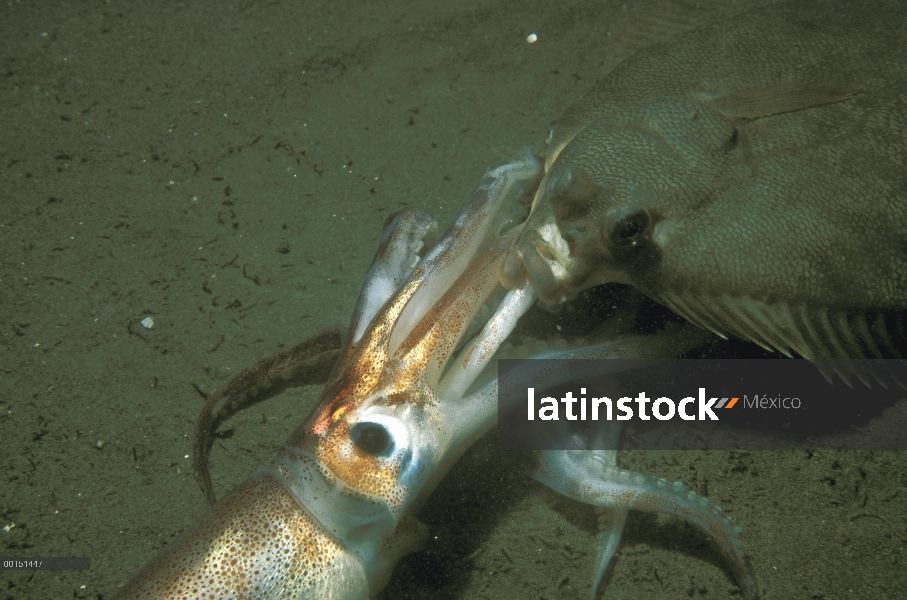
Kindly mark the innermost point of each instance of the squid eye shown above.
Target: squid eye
(371, 438)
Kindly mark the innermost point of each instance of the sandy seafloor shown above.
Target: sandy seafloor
(226, 168)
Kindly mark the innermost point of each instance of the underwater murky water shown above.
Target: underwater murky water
(226, 172)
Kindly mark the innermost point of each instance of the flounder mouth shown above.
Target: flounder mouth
(547, 257)
(577, 236)
(542, 255)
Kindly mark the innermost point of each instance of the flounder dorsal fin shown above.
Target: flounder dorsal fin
(778, 98)
(818, 333)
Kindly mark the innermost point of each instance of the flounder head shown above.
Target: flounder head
(753, 191)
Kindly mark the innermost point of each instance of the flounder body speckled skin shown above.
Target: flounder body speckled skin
(751, 176)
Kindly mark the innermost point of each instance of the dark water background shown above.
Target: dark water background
(225, 168)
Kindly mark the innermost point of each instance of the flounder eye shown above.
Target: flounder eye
(630, 229)
(370, 438)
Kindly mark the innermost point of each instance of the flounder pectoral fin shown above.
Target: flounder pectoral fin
(779, 98)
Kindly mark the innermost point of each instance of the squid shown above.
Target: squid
(413, 385)
(747, 176)
(334, 513)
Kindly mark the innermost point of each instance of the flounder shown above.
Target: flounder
(750, 176)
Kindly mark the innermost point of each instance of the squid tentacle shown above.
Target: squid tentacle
(307, 363)
(592, 477)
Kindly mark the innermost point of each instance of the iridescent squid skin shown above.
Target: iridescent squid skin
(749, 176)
(413, 386)
(333, 515)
